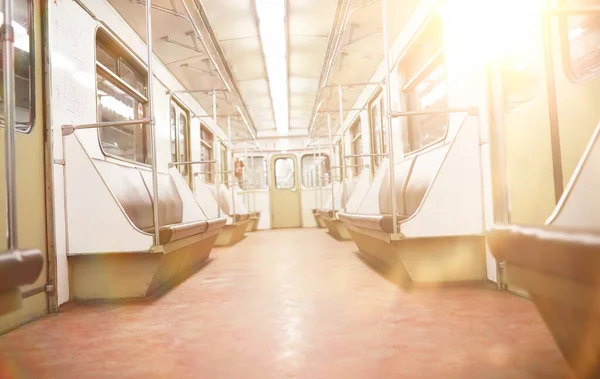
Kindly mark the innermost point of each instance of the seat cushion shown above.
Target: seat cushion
(19, 267)
(328, 213)
(382, 223)
(571, 254)
(175, 232)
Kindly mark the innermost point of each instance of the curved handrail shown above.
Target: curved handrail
(576, 175)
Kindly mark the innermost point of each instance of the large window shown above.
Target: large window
(355, 147)
(206, 154)
(180, 131)
(121, 90)
(315, 170)
(24, 66)
(256, 173)
(582, 37)
(378, 131)
(424, 77)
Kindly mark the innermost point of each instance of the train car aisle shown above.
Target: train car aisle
(290, 304)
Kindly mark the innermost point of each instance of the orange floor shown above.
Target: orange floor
(290, 304)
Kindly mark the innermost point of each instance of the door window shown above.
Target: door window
(285, 173)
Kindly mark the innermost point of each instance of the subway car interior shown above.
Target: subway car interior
(300, 189)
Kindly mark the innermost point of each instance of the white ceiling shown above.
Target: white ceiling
(235, 27)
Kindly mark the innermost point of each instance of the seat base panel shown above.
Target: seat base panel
(424, 262)
(121, 276)
(232, 233)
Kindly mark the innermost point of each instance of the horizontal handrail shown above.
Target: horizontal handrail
(171, 164)
(572, 10)
(365, 155)
(70, 128)
(470, 110)
(211, 172)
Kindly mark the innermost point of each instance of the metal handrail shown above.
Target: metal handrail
(365, 155)
(10, 123)
(70, 128)
(473, 111)
(171, 164)
(572, 10)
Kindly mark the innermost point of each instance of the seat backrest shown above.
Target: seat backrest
(402, 173)
(360, 190)
(170, 206)
(128, 187)
(424, 170)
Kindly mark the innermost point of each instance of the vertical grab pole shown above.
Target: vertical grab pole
(253, 183)
(330, 157)
(245, 178)
(231, 168)
(8, 39)
(217, 164)
(152, 121)
(314, 171)
(319, 176)
(343, 163)
(387, 103)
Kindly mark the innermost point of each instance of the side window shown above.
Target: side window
(356, 147)
(179, 133)
(315, 170)
(224, 164)
(120, 98)
(520, 79)
(581, 33)
(424, 76)
(256, 173)
(24, 67)
(378, 132)
(206, 153)
(173, 134)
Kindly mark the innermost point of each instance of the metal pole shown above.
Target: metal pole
(8, 38)
(319, 180)
(245, 180)
(387, 102)
(231, 167)
(217, 158)
(253, 184)
(343, 176)
(343, 152)
(330, 157)
(152, 121)
(314, 149)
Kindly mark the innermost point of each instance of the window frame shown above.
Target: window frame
(565, 44)
(356, 161)
(308, 155)
(211, 155)
(108, 38)
(174, 103)
(434, 60)
(377, 99)
(31, 30)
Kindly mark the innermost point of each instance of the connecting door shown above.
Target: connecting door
(285, 194)
(30, 160)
